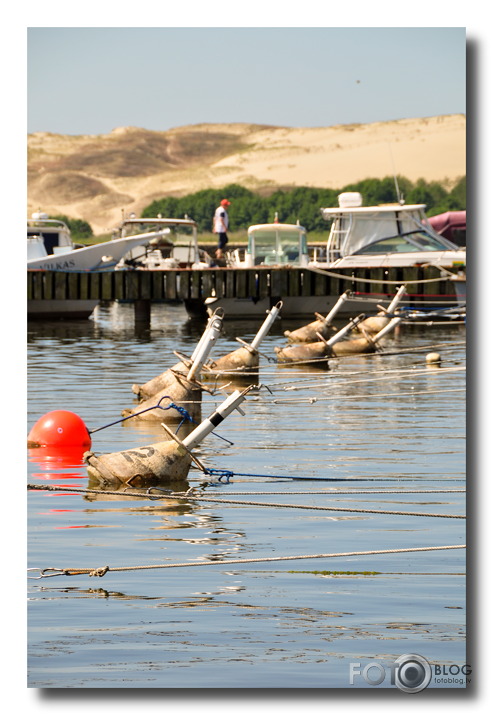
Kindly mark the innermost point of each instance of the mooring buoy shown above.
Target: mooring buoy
(321, 326)
(161, 463)
(247, 356)
(367, 344)
(184, 393)
(322, 348)
(160, 382)
(59, 428)
(433, 358)
(375, 323)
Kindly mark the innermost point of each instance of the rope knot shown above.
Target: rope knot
(181, 410)
(100, 571)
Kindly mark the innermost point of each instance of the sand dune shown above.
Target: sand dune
(95, 178)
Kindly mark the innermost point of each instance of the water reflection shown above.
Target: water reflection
(50, 458)
(273, 618)
(119, 491)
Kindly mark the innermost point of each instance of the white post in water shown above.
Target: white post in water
(342, 299)
(231, 403)
(205, 346)
(338, 336)
(393, 323)
(219, 313)
(395, 301)
(266, 325)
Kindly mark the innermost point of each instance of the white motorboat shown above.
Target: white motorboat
(272, 244)
(50, 247)
(46, 240)
(176, 246)
(391, 235)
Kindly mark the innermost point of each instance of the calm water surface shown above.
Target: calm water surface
(379, 423)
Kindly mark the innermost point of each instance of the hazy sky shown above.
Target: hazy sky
(157, 78)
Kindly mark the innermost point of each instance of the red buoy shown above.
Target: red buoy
(59, 428)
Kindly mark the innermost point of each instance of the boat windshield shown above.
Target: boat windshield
(354, 233)
(405, 243)
(275, 245)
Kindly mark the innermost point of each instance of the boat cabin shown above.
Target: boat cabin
(177, 247)
(47, 237)
(276, 244)
(391, 228)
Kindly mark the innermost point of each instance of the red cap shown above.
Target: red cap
(225, 202)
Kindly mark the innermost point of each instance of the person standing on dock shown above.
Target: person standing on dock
(220, 226)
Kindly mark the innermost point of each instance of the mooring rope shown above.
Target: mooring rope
(338, 492)
(236, 502)
(351, 510)
(327, 358)
(101, 571)
(311, 400)
(170, 494)
(353, 279)
(181, 410)
(387, 375)
(304, 376)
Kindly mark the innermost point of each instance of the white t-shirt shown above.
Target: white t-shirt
(221, 220)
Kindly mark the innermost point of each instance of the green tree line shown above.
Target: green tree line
(303, 204)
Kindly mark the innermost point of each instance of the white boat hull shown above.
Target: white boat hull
(302, 307)
(60, 309)
(100, 257)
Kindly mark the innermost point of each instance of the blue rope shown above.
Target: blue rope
(221, 474)
(181, 410)
(226, 475)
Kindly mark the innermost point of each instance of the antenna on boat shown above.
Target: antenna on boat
(400, 197)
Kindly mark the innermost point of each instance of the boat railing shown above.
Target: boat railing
(40, 223)
(336, 239)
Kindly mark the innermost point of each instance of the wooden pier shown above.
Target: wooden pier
(193, 286)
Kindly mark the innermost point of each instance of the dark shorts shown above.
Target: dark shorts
(222, 240)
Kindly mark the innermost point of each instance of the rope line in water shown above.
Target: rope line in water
(44, 573)
(228, 474)
(370, 371)
(388, 375)
(236, 502)
(351, 510)
(281, 400)
(338, 492)
(377, 353)
(181, 410)
(295, 374)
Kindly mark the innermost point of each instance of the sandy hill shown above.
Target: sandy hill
(96, 177)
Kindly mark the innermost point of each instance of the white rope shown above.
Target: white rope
(283, 400)
(337, 492)
(353, 279)
(209, 500)
(104, 569)
(221, 500)
(392, 374)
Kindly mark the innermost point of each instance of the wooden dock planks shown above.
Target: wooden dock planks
(258, 283)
